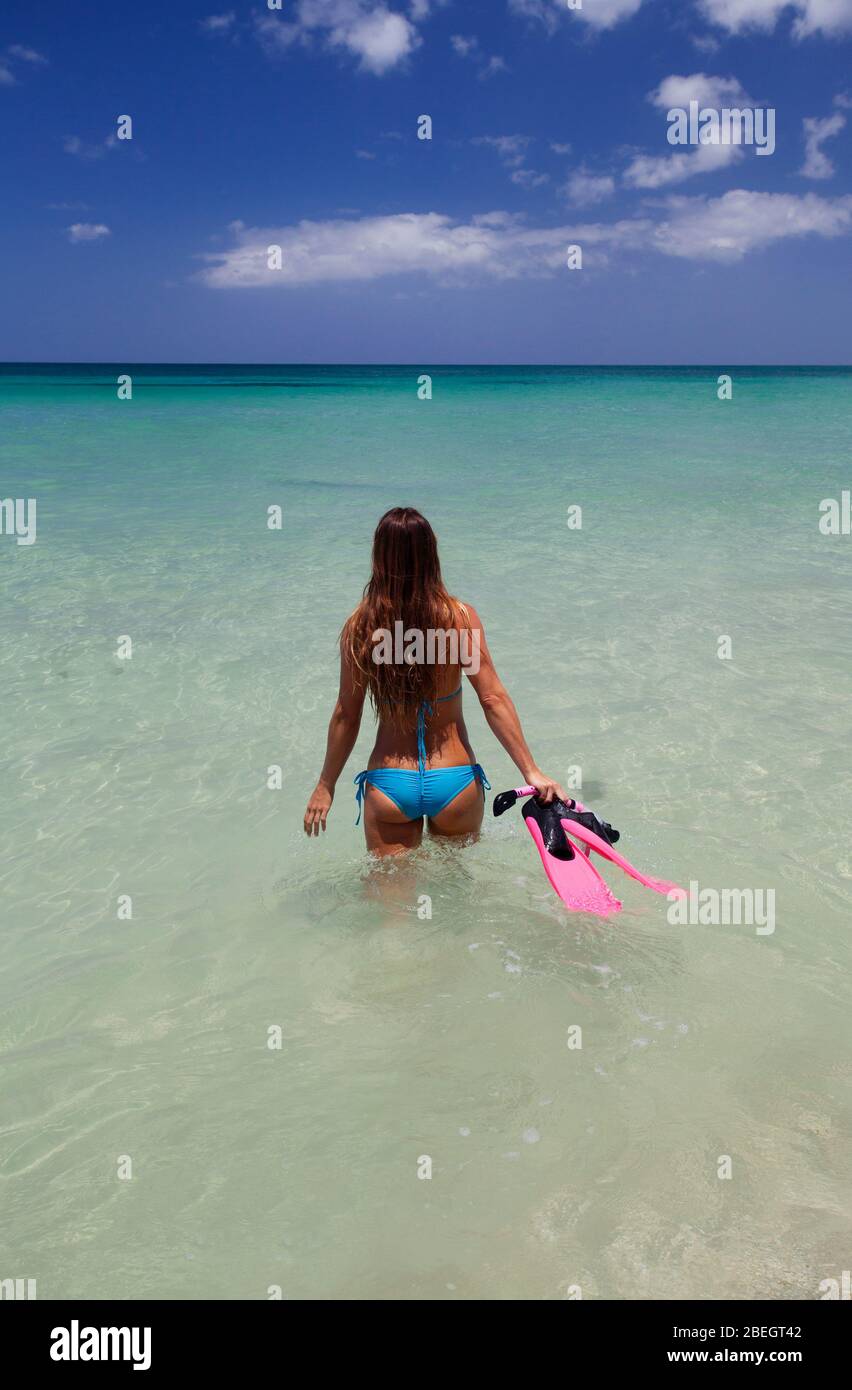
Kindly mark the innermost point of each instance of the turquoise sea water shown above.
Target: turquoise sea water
(147, 1039)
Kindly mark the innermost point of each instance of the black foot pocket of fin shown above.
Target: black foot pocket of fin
(591, 822)
(549, 821)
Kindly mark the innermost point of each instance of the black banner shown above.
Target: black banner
(217, 1338)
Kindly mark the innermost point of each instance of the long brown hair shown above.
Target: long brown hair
(405, 586)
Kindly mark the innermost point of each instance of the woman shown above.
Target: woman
(422, 763)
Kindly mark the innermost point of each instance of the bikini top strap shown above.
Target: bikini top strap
(427, 708)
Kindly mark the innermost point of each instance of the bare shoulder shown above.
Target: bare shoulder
(467, 615)
(350, 640)
(352, 620)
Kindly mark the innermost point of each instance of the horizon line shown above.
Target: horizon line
(415, 366)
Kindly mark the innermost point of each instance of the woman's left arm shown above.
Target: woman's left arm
(342, 733)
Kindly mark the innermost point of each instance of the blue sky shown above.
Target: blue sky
(254, 127)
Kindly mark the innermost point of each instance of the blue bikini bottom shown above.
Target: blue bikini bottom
(420, 793)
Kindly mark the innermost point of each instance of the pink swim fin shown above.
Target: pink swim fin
(575, 880)
(573, 825)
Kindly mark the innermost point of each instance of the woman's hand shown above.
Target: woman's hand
(319, 806)
(546, 788)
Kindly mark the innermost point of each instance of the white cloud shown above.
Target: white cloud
(706, 89)
(512, 149)
(583, 189)
(811, 16)
(83, 149)
(543, 10)
(277, 35)
(18, 53)
(87, 231)
(499, 245)
(495, 245)
(499, 218)
(743, 14)
(529, 178)
(26, 55)
(600, 14)
(726, 229)
(817, 164)
(603, 14)
(661, 171)
(218, 23)
(469, 47)
(378, 37)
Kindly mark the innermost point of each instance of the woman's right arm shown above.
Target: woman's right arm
(503, 721)
(342, 734)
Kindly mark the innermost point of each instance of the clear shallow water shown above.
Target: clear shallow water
(552, 1167)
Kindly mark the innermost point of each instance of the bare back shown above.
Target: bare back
(447, 742)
